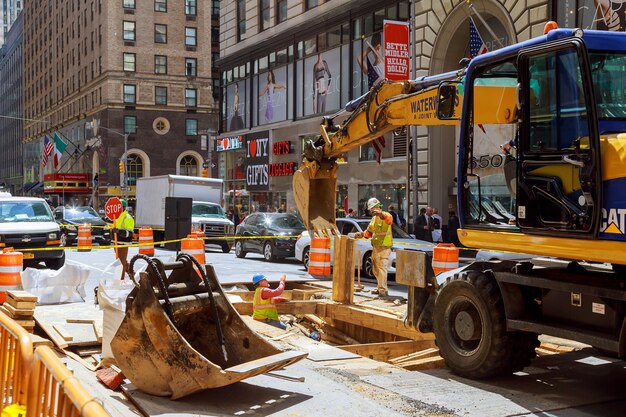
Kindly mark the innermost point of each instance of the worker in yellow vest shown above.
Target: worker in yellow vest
(379, 230)
(123, 226)
(265, 300)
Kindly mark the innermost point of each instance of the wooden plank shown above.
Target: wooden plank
(63, 332)
(24, 305)
(40, 341)
(425, 363)
(374, 320)
(426, 353)
(5, 311)
(47, 316)
(411, 268)
(343, 270)
(290, 307)
(21, 296)
(384, 351)
(97, 329)
(80, 321)
(19, 312)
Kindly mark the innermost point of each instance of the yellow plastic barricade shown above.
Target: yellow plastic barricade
(54, 391)
(16, 359)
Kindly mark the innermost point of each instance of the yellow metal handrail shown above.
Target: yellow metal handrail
(16, 360)
(55, 391)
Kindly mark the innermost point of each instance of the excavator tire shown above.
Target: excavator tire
(522, 351)
(470, 327)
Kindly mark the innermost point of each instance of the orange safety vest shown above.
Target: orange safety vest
(263, 308)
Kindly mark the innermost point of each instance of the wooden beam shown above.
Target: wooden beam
(424, 364)
(343, 270)
(385, 351)
(376, 320)
(290, 307)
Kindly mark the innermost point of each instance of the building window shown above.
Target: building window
(264, 6)
(160, 33)
(160, 5)
(129, 62)
(130, 93)
(134, 168)
(189, 166)
(191, 67)
(129, 31)
(311, 4)
(190, 36)
(130, 124)
(191, 97)
(160, 96)
(215, 8)
(190, 7)
(281, 11)
(241, 20)
(191, 127)
(160, 64)
(128, 4)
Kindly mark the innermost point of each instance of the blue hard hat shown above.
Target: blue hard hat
(258, 278)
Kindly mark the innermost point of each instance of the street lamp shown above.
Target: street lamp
(94, 125)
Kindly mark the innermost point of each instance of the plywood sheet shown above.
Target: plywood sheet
(83, 334)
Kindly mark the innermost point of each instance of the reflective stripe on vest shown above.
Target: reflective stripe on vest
(263, 309)
(9, 269)
(381, 232)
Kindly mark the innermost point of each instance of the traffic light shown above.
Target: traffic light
(121, 167)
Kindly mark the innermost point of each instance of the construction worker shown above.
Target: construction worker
(123, 227)
(379, 230)
(265, 300)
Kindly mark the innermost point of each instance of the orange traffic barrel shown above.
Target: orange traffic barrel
(194, 246)
(11, 265)
(445, 257)
(146, 241)
(319, 256)
(84, 238)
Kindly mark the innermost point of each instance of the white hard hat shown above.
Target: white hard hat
(373, 202)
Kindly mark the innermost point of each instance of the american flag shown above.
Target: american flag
(48, 148)
(476, 44)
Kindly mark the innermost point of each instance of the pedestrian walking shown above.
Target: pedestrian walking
(379, 230)
(437, 224)
(351, 213)
(424, 225)
(265, 300)
(123, 228)
(396, 218)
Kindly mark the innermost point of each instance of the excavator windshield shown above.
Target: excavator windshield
(608, 71)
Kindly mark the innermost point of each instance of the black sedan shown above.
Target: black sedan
(281, 229)
(69, 218)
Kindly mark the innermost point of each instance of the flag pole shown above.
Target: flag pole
(491, 32)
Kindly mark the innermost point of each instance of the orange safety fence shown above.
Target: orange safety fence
(55, 391)
(16, 358)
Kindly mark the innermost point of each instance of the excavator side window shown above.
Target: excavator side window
(489, 187)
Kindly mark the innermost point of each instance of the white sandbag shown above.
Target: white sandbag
(66, 285)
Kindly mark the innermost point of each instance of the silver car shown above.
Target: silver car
(349, 226)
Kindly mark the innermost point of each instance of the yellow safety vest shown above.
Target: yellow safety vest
(381, 232)
(263, 309)
(125, 221)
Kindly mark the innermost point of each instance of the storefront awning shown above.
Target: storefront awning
(33, 186)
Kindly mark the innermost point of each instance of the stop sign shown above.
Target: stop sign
(113, 208)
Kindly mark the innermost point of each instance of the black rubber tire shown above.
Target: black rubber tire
(239, 252)
(56, 263)
(268, 252)
(469, 301)
(367, 266)
(225, 247)
(306, 255)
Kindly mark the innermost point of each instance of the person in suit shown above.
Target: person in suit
(424, 225)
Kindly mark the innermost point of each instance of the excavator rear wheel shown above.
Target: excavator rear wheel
(470, 326)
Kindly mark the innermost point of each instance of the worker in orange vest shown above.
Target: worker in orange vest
(123, 227)
(265, 300)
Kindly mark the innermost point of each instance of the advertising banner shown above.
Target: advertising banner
(257, 161)
(396, 50)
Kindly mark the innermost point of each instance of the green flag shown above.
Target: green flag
(59, 148)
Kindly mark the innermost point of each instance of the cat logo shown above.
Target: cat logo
(614, 221)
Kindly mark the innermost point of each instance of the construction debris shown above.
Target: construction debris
(20, 306)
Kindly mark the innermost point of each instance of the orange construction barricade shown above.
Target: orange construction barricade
(445, 257)
(11, 265)
(146, 241)
(319, 256)
(194, 246)
(84, 238)
(16, 359)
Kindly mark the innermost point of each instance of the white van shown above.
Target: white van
(27, 223)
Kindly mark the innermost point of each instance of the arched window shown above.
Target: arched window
(134, 168)
(189, 166)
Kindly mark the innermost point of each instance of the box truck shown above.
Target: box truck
(207, 213)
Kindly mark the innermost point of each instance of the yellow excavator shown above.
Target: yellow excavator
(558, 104)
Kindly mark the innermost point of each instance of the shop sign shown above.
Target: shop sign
(281, 148)
(230, 143)
(257, 161)
(282, 169)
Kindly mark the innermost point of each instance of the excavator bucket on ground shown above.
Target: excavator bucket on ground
(181, 335)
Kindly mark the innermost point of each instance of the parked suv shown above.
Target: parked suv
(69, 218)
(27, 222)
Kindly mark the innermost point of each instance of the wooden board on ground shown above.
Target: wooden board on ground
(47, 316)
(385, 351)
(40, 341)
(21, 299)
(11, 311)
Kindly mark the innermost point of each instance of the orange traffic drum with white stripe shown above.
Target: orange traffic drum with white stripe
(146, 241)
(194, 246)
(11, 265)
(84, 238)
(319, 256)
(445, 257)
